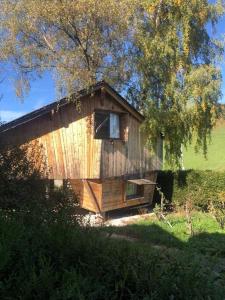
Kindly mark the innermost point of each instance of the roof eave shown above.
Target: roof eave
(57, 104)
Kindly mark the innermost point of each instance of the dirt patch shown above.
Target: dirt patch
(124, 221)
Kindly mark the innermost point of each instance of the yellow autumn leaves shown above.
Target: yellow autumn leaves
(159, 49)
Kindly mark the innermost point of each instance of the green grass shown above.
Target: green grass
(56, 259)
(206, 248)
(208, 238)
(215, 157)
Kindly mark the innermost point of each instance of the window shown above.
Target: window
(114, 126)
(134, 191)
(107, 125)
(101, 125)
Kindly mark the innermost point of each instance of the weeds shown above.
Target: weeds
(217, 209)
(188, 213)
(159, 210)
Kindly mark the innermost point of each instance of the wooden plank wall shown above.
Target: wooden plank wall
(86, 201)
(110, 194)
(113, 194)
(126, 156)
(66, 139)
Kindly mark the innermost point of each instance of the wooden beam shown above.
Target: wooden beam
(91, 193)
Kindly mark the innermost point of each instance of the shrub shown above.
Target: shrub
(24, 189)
(64, 261)
(201, 187)
(217, 209)
(21, 177)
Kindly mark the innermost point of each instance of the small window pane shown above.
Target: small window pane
(114, 126)
(131, 189)
(134, 191)
(102, 122)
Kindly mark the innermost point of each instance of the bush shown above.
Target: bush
(24, 189)
(64, 261)
(21, 177)
(217, 209)
(201, 187)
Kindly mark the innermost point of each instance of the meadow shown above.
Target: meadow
(215, 159)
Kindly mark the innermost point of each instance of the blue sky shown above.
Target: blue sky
(42, 92)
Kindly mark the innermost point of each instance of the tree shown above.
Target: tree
(180, 82)
(158, 52)
(81, 41)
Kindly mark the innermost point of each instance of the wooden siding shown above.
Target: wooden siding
(66, 139)
(127, 156)
(114, 194)
(109, 194)
(89, 193)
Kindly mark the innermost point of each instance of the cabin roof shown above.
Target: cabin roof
(64, 101)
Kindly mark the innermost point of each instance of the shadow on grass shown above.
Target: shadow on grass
(212, 244)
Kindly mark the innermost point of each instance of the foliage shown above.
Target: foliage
(157, 52)
(201, 187)
(20, 176)
(63, 261)
(80, 41)
(217, 209)
(160, 210)
(61, 205)
(188, 211)
(180, 81)
(24, 187)
(193, 160)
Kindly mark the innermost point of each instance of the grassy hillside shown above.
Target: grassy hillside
(216, 152)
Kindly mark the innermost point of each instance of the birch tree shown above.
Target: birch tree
(180, 80)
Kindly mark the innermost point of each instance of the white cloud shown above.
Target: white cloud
(9, 115)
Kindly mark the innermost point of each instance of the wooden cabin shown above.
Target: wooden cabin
(95, 143)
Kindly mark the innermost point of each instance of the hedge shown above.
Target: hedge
(199, 186)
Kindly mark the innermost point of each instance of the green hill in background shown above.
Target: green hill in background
(216, 152)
